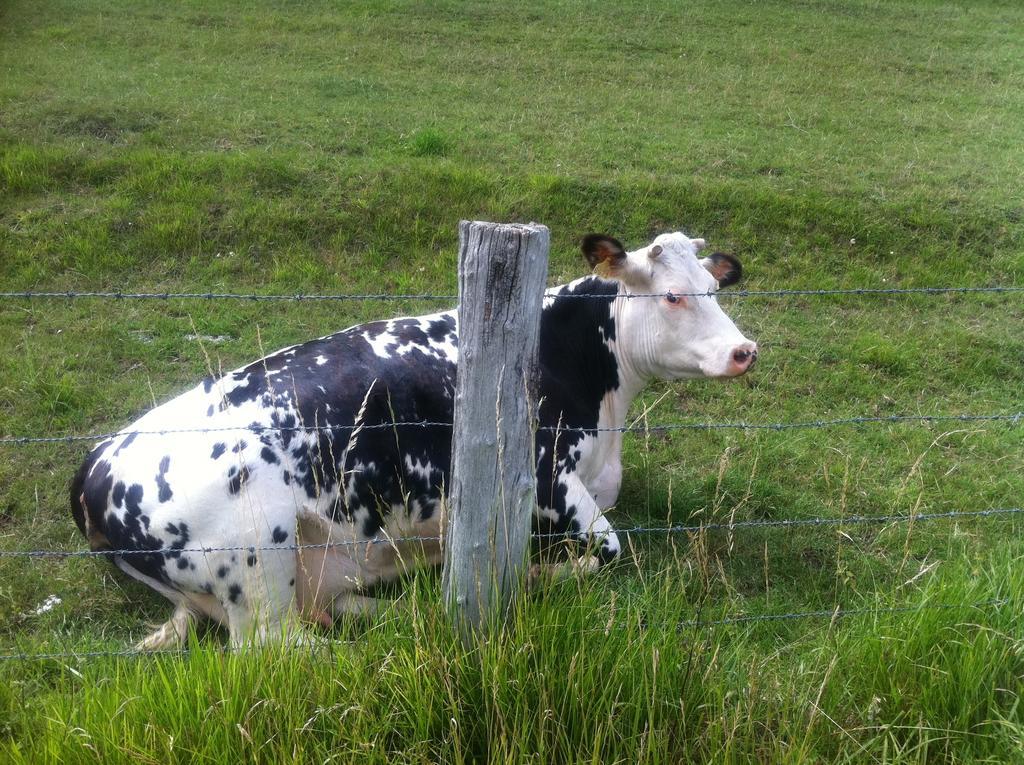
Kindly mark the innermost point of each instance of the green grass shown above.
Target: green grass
(274, 147)
(576, 676)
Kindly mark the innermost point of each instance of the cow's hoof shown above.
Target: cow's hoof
(169, 635)
(164, 638)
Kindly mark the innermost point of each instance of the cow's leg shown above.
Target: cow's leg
(171, 634)
(586, 523)
(265, 616)
(260, 605)
(187, 609)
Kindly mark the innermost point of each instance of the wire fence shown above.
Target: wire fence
(841, 613)
(1013, 419)
(299, 297)
(693, 528)
(832, 614)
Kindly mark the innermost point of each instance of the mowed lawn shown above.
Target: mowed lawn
(333, 148)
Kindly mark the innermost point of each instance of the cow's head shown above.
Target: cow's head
(674, 335)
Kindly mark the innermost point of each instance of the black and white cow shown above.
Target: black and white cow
(263, 480)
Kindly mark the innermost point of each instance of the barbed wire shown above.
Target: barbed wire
(852, 520)
(837, 613)
(299, 297)
(1014, 418)
(739, 619)
(133, 653)
(251, 297)
(66, 655)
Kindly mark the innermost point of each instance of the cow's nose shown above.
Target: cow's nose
(744, 357)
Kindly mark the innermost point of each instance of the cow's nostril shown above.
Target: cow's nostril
(745, 356)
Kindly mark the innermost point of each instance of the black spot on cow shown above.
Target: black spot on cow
(279, 535)
(171, 528)
(234, 593)
(372, 524)
(164, 493)
(250, 560)
(578, 366)
(315, 466)
(209, 411)
(237, 479)
(96, 453)
(284, 425)
(182, 563)
(268, 456)
(255, 385)
(408, 332)
(578, 370)
(89, 490)
(240, 446)
(605, 553)
(118, 496)
(133, 500)
(207, 384)
(373, 329)
(126, 443)
(291, 582)
(218, 449)
(130, 535)
(128, 532)
(181, 539)
(222, 571)
(287, 478)
(439, 329)
(572, 525)
(207, 588)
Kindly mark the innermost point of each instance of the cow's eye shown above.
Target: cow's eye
(672, 298)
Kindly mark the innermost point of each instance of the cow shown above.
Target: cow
(291, 487)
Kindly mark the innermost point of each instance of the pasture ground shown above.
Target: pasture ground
(278, 147)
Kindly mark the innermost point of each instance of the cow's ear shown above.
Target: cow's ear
(604, 254)
(725, 268)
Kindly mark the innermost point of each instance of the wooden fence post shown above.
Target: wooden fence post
(502, 275)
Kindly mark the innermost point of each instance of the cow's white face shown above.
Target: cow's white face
(675, 335)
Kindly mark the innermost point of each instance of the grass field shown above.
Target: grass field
(326, 148)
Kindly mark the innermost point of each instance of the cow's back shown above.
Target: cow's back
(304, 431)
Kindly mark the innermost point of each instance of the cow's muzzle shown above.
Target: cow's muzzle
(743, 358)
